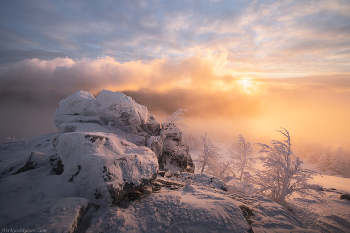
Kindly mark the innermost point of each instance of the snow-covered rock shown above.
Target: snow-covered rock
(109, 108)
(115, 111)
(104, 167)
(41, 199)
(80, 103)
(120, 109)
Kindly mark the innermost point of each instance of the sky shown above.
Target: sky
(238, 67)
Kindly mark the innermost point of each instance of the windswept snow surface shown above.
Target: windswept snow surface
(327, 213)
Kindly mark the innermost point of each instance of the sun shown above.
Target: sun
(247, 85)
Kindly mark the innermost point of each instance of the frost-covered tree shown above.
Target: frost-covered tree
(209, 157)
(222, 169)
(325, 160)
(283, 174)
(243, 156)
(338, 163)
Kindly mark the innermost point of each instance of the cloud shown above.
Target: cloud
(312, 106)
(67, 75)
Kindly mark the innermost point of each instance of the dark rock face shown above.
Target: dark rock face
(345, 196)
(57, 165)
(247, 213)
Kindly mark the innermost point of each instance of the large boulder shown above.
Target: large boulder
(80, 103)
(120, 109)
(103, 166)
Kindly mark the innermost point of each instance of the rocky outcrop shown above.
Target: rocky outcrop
(120, 126)
(113, 111)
